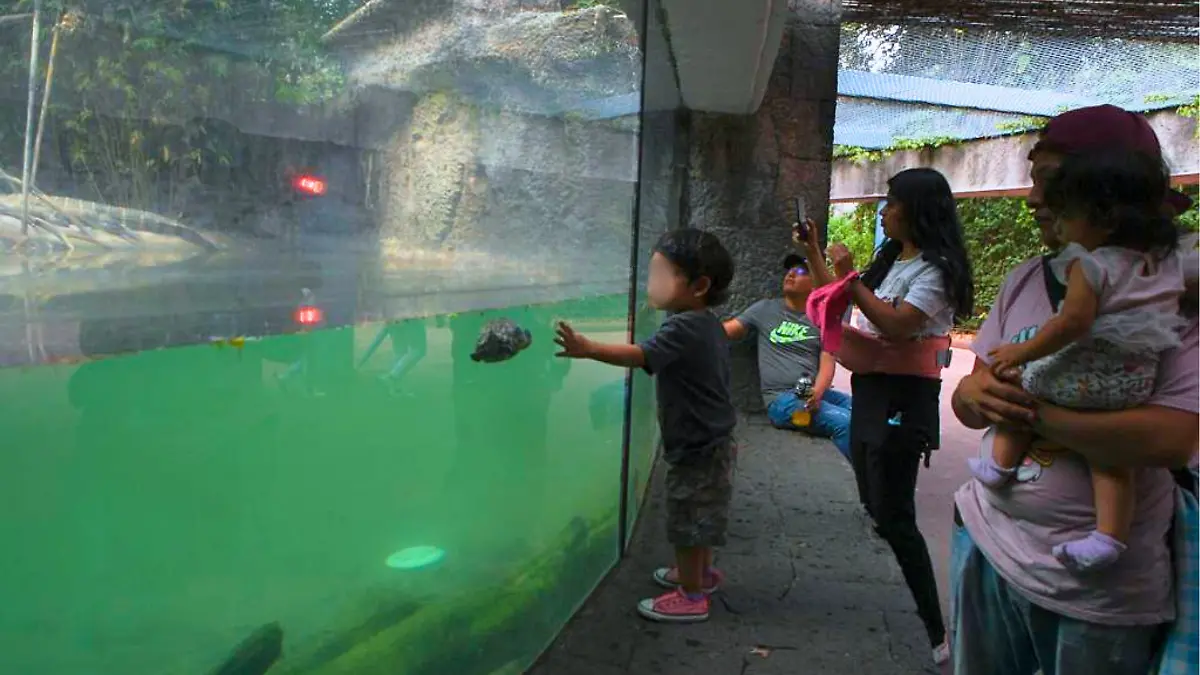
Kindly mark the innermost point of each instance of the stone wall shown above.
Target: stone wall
(995, 167)
(744, 170)
(555, 192)
(496, 150)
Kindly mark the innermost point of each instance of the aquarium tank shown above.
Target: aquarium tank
(278, 284)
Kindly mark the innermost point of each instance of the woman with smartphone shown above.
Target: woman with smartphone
(908, 298)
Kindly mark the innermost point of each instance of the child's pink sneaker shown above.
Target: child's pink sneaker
(668, 577)
(675, 607)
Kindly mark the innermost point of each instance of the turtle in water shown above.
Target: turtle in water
(500, 340)
(256, 654)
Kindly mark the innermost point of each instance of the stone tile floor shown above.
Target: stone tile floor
(810, 589)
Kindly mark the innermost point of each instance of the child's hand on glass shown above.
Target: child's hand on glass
(572, 344)
(1006, 358)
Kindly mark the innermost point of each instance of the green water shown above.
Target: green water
(159, 506)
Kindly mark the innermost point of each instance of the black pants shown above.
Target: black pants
(886, 460)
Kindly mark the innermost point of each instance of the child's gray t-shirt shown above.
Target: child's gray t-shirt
(689, 357)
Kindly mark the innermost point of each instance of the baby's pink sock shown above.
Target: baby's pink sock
(1094, 552)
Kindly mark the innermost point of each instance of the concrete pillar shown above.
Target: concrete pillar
(743, 170)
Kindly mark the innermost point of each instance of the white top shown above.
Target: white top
(1137, 293)
(920, 284)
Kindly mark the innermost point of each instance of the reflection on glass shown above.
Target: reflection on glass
(246, 251)
(658, 182)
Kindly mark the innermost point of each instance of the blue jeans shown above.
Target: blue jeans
(997, 631)
(832, 419)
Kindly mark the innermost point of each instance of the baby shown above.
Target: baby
(1124, 278)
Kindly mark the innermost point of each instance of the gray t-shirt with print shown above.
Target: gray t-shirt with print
(917, 282)
(789, 345)
(689, 358)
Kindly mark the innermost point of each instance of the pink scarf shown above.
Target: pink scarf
(860, 352)
(826, 306)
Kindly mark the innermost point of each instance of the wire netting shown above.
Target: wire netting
(905, 83)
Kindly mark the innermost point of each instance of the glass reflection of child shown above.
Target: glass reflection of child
(1124, 277)
(689, 354)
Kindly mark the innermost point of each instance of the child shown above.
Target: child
(689, 273)
(1124, 278)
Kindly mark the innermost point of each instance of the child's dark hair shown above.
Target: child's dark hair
(699, 254)
(932, 216)
(1121, 191)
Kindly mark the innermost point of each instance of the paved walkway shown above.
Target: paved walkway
(811, 590)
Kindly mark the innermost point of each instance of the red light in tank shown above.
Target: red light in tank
(308, 315)
(310, 185)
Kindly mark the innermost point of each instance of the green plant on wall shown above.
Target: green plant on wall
(1023, 125)
(1190, 110)
(859, 155)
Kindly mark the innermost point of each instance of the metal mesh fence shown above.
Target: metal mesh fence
(902, 83)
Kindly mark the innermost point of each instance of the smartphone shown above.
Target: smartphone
(801, 218)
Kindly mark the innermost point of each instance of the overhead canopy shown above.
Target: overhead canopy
(1173, 20)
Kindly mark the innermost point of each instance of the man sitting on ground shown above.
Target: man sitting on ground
(789, 350)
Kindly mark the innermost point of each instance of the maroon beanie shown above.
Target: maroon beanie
(1104, 126)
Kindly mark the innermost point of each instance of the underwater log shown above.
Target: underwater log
(475, 632)
(256, 654)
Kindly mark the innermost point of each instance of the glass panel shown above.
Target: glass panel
(657, 214)
(278, 283)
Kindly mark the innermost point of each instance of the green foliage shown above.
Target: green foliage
(1000, 233)
(921, 143)
(856, 230)
(1192, 109)
(1190, 221)
(856, 154)
(1023, 125)
(859, 155)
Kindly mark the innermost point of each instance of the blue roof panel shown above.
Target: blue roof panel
(908, 89)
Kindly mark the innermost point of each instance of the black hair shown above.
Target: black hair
(699, 254)
(1121, 191)
(931, 214)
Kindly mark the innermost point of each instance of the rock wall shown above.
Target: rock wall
(499, 152)
(745, 169)
(555, 191)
